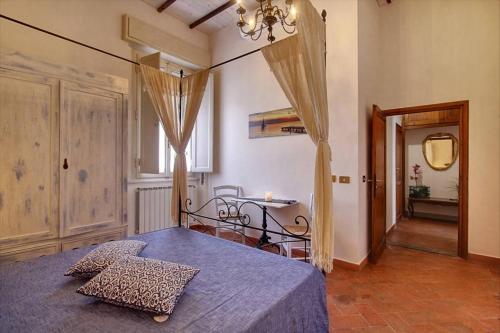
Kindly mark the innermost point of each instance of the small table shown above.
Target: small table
(264, 238)
(430, 201)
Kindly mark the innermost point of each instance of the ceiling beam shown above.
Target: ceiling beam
(165, 5)
(212, 14)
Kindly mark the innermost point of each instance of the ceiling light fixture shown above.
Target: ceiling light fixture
(266, 16)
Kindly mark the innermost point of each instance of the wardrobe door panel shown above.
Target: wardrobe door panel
(91, 158)
(28, 157)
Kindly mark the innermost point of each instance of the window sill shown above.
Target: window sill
(158, 180)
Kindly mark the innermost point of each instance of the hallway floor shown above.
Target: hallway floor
(425, 234)
(412, 291)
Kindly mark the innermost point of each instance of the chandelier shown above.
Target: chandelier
(266, 16)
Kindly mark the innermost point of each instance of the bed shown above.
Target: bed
(239, 289)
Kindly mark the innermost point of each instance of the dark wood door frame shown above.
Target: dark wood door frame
(463, 152)
(378, 175)
(403, 171)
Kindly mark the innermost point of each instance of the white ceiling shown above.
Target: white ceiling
(189, 11)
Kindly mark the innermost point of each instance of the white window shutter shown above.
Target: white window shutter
(203, 134)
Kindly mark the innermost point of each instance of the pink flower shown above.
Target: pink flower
(417, 172)
(416, 169)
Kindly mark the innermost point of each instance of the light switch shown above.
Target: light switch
(344, 179)
(334, 178)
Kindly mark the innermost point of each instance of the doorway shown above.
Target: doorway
(419, 178)
(399, 172)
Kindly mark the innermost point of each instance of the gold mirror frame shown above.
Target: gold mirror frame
(441, 136)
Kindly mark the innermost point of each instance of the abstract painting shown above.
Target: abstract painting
(282, 122)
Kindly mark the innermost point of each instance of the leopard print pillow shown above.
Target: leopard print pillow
(141, 283)
(103, 256)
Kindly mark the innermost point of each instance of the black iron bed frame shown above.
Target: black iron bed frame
(232, 215)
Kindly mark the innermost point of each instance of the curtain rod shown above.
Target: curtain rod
(106, 52)
(66, 38)
(235, 58)
(323, 14)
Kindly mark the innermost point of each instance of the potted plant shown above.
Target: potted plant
(418, 191)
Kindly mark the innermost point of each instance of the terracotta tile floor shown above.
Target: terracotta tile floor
(412, 291)
(235, 237)
(425, 234)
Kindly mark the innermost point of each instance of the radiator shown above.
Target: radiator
(153, 208)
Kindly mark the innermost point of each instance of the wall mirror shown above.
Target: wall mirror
(440, 150)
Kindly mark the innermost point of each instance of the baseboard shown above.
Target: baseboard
(431, 216)
(349, 265)
(336, 262)
(391, 227)
(483, 259)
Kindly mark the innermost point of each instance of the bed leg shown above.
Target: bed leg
(179, 218)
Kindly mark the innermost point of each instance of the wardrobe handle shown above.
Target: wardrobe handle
(65, 164)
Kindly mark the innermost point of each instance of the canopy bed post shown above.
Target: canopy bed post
(264, 239)
(310, 37)
(179, 219)
(303, 55)
(323, 16)
(164, 89)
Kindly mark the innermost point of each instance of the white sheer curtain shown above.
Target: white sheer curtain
(164, 91)
(298, 63)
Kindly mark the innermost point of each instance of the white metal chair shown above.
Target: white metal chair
(228, 193)
(298, 230)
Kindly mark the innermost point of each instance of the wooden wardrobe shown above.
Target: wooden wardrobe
(62, 158)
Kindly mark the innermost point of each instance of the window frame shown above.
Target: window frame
(138, 116)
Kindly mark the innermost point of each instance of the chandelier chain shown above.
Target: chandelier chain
(266, 16)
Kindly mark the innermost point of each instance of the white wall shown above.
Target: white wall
(438, 51)
(439, 181)
(95, 22)
(285, 165)
(402, 54)
(431, 51)
(369, 86)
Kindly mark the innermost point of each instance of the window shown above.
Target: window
(155, 157)
(188, 158)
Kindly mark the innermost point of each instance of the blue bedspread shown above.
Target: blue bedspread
(239, 289)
